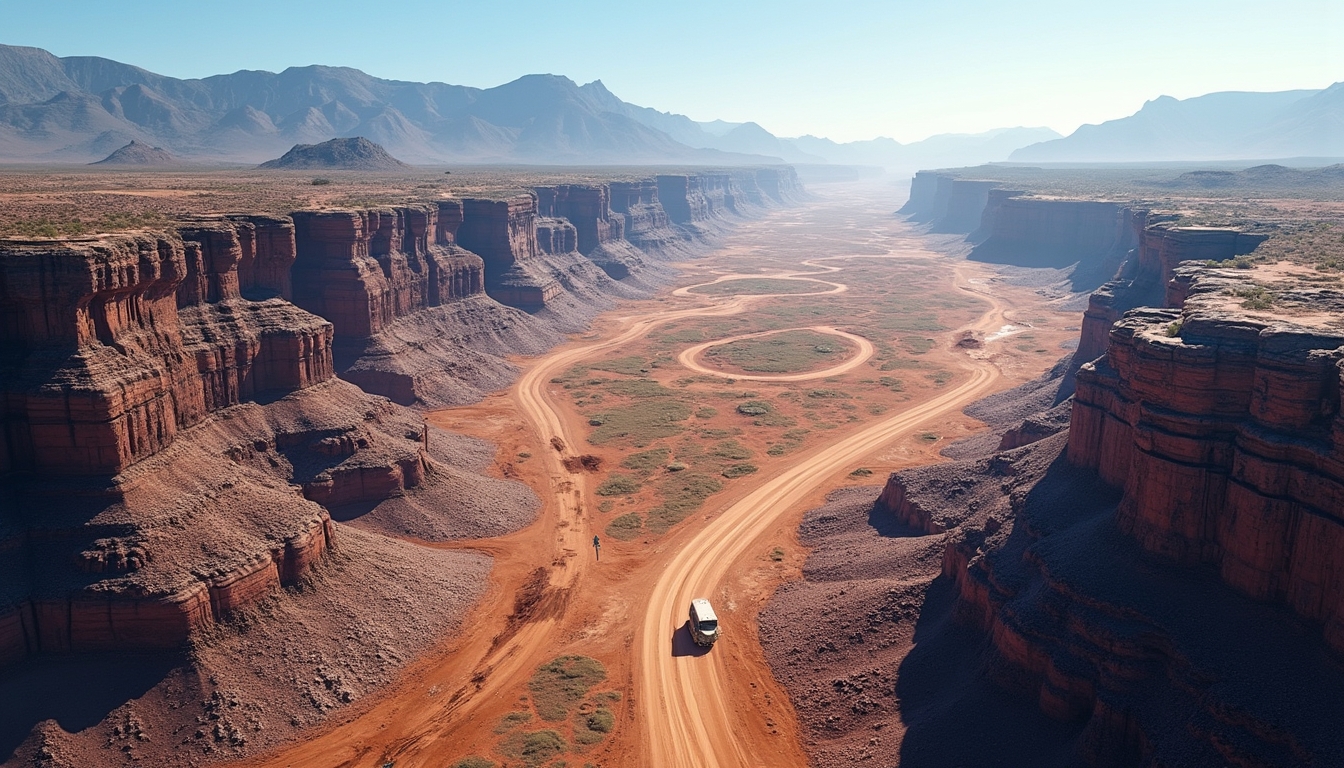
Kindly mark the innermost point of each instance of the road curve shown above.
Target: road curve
(688, 360)
(681, 700)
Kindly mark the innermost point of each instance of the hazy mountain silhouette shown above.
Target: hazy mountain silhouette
(1231, 125)
(81, 108)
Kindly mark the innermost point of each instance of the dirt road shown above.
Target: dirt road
(683, 704)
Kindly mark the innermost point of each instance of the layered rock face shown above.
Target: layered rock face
(647, 225)
(504, 234)
(1164, 579)
(1223, 429)
(1145, 278)
(600, 231)
(364, 269)
(143, 512)
(951, 205)
(1037, 232)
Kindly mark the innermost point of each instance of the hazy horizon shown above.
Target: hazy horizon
(857, 71)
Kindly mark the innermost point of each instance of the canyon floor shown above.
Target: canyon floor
(695, 472)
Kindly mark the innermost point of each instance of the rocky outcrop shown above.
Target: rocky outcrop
(1145, 278)
(1222, 428)
(171, 446)
(1175, 557)
(364, 269)
(1041, 232)
(504, 234)
(600, 232)
(647, 226)
(951, 205)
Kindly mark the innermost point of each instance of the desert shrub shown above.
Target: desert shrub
(754, 408)
(512, 720)
(594, 727)
(474, 761)
(321, 182)
(562, 683)
(618, 485)
(626, 527)
(739, 470)
(533, 747)
(646, 460)
(731, 449)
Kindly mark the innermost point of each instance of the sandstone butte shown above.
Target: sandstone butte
(1168, 575)
(183, 408)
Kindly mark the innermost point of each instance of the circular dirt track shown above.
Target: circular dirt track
(801, 277)
(866, 350)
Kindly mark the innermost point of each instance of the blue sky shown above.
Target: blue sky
(847, 70)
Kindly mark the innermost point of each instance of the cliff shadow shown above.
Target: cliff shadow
(76, 691)
(683, 644)
(955, 714)
(881, 520)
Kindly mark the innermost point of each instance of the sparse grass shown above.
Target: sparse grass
(639, 424)
(739, 470)
(561, 684)
(754, 408)
(917, 345)
(618, 485)
(593, 728)
(895, 385)
(683, 493)
(626, 527)
(533, 747)
(646, 461)
(74, 226)
(1255, 297)
(474, 761)
(706, 412)
(630, 366)
(787, 352)
(731, 449)
(758, 285)
(513, 720)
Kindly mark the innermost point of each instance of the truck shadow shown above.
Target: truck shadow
(683, 645)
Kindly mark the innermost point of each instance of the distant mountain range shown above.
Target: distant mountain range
(79, 109)
(1219, 126)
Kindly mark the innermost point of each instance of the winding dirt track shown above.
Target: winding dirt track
(680, 701)
(688, 360)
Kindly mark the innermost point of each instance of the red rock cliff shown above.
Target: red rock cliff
(504, 234)
(1222, 426)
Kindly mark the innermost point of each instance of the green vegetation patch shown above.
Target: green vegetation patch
(683, 493)
(788, 352)
(630, 366)
(593, 727)
(561, 684)
(626, 527)
(754, 286)
(755, 408)
(731, 449)
(641, 424)
(706, 412)
(619, 485)
(512, 720)
(75, 225)
(646, 461)
(533, 747)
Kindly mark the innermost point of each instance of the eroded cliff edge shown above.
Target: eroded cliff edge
(1154, 585)
(183, 427)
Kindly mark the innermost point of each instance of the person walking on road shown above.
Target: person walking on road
(597, 546)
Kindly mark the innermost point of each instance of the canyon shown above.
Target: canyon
(211, 419)
(1138, 564)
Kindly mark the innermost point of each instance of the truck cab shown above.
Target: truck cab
(704, 623)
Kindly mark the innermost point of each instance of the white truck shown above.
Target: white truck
(704, 624)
